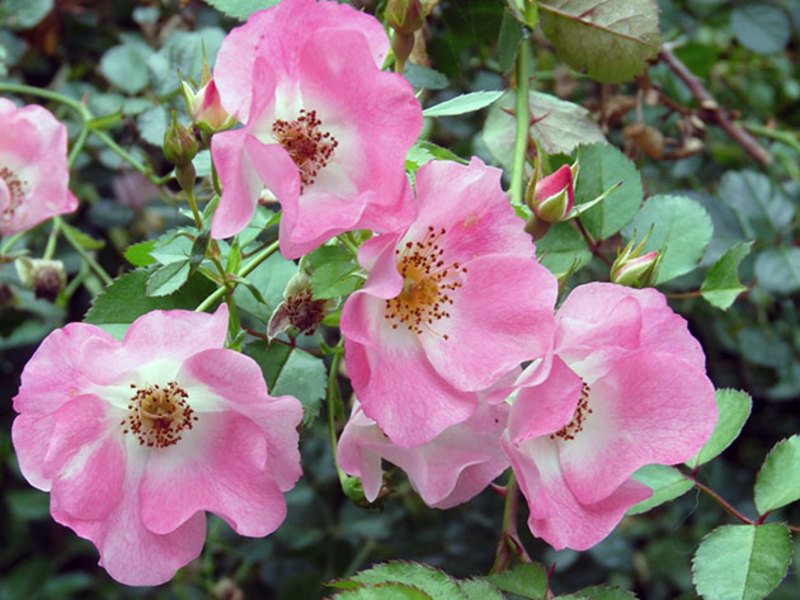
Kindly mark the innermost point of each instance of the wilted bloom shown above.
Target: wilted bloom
(34, 177)
(326, 131)
(627, 387)
(135, 439)
(553, 196)
(44, 276)
(452, 468)
(451, 304)
(299, 309)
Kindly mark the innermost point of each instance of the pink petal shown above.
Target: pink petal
(130, 553)
(651, 407)
(377, 255)
(225, 473)
(661, 329)
(556, 515)
(555, 183)
(399, 389)
(543, 409)
(174, 334)
(354, 453)
(469, 203)
(236, 379)
(68, 361)
(501, 316)
(278, 35)
(30, 435)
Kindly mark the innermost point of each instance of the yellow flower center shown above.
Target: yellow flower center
(158, 416)
(582, 411)
(309, 147)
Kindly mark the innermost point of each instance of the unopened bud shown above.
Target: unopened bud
(180, 145)
(551, 198)
(404, 16)
(634, 269)
(45, 277)
(205, 107)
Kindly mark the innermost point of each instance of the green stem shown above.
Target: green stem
(509, 538)
(19, 88)
(50, 248)
(99, 271)
(331, 417)
(77, 146)
(789, 138)
(9, 242)
(522, 114)
(243, 272)
(122, 153)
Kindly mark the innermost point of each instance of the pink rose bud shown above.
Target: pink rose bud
(636, 272)
(206, 108)
(553, 196)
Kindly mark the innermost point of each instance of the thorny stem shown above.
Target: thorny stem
(522, 114)
(708, 103)
(509, 537)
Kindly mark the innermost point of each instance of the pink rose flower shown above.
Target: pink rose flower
(627, 387)
(135, 439)
(451, 304)
(326, 130)
(34, 177)
(449, 470)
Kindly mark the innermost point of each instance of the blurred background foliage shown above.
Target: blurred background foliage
(124, 57)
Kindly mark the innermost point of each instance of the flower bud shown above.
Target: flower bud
(552, 197)
(206, 108)
(45, 277)
(180, 145)
(635, 270)
(404, 16)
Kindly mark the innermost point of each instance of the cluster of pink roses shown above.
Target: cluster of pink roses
(135, 439)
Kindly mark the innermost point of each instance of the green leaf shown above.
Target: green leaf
(423, 152)
(139, 254)
(741, 562)
(611, 40)
(778, 480)
(763, 209)
(721, 285)
(463, 104)
(385, 591)
(152, 124)
(304, 377)
(508, 41)
(183, 52)
(602, 166)
(125, 65)
(423, 77)
(125, 300)
(778, 269)
(761, 27)
(666, 482)
(168, 278)
(733, 409)
(559, 126)
(605, 592)
(84, 240)
(480, 589)
(526, 580)
(681, 232)
(241, 9)
(435, 583)
(562, 249)
(23, 14)
(269, 278)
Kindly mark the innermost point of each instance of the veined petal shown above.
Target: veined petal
(651, 407)
(501, 316)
